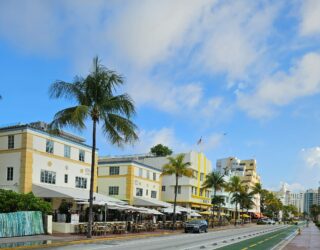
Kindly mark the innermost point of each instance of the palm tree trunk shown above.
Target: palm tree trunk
(212, 215)
(236, 215)
(93, 158)
(175, 203)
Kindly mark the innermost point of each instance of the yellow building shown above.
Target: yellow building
(129, 180)
(250, 176)
(190, 191)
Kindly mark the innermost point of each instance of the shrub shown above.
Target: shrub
(13, 202)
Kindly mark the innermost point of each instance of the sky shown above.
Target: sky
(242, 75)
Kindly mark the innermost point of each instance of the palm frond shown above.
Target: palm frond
(73, 117)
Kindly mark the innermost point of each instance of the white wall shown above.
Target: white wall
(10, 160)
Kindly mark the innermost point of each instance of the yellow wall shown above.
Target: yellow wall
(26, 163)
(130, 179)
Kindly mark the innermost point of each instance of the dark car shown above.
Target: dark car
(196, 226)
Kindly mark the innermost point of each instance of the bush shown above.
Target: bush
(14, 202)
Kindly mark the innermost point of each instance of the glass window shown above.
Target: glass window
(65, 178)
(114, 170)
(10, 141)
(81, 182)
(154, 176)
(148, 174)
(48, 177)
(114, 190)
(9, 173)
(81, 155)
(67, 150)
(163, 188)
(201, 177)
(179, 189)
(139, 191)
(153, 194)
(147, 192)
(49, 146)
(201, 191)
(140, 172)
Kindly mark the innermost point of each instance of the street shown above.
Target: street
(210, 240)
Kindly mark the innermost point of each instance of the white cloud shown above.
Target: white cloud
(147, 32)
(311, 158)
(282, 88)
(310, 17)
(232, 45)
(163, 95)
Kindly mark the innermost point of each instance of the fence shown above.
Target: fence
(21, 223)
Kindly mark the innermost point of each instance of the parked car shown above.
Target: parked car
(265, 221)
(196, 226)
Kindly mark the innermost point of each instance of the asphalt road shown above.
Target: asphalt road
(210, 240)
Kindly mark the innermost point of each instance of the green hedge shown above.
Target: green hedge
(15, 202)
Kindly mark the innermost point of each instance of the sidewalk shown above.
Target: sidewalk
(309, 239)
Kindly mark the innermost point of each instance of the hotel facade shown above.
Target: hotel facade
(34, 160)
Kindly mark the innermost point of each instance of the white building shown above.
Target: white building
(32, 159)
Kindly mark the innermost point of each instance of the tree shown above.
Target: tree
(257, 189)
(234, 187)
(246, 199)
(272, 204)
(314, 212)
(161, 150)
(215, 181)
(95, 100)
(177, 167)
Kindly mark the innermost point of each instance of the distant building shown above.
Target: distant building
(246, 170)
(311, 197)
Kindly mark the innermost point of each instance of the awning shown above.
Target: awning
(146, 202)
(169, 210)
(53, 191)
(245, 216)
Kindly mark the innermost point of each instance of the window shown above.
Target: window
(148, 174)
(201, 177)
(201, 191)
(139, 191)
(114, 170)
(114, 190)
(81, 155)
(163, 189)
(153, 194)
(140, 172)
(154, 176)
(10, 141)
(49, 146)
(147, 192)
(179, 189)
(65, 178)
(9, 173)
(48, 177)
(67, 150)
(81, 182)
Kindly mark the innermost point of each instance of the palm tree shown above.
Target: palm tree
(215, 181)
(245, 199)
(177, 167)
(257, 189)
(95, 100)
(234, 187)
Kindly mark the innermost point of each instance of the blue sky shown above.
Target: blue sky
(250, 69)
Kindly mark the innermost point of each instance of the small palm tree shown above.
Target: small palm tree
(95, 100)
(257, 189)
(177, 167)
(234, 187)
(215, 181)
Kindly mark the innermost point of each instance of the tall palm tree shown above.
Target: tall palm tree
(96, 101)
(215, 181)
(234, 187)
(177, 167)
(245, 199)
(257, 189)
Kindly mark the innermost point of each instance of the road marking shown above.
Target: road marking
(253, 245)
